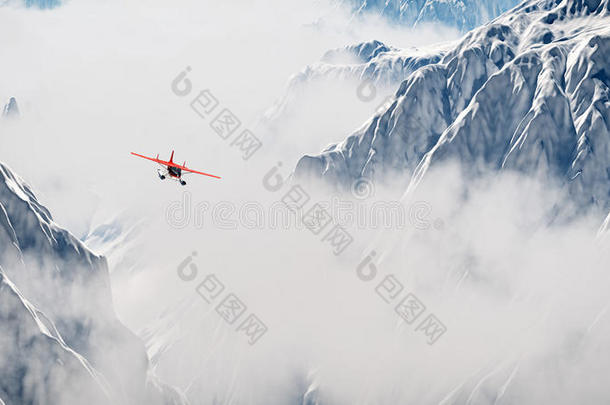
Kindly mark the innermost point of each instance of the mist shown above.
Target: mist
(521, 296)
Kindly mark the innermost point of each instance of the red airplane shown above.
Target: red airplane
(171, 169)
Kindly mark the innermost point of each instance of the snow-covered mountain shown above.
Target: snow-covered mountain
(527, 92)
(373, 61)
(342, 89)
(10, 109)
(44, 4)
(461, 14)
(61, 340)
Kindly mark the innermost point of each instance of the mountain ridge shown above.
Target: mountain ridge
(489, 102)
(463, 15)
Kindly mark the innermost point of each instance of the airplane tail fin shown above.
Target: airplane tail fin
(171, 158)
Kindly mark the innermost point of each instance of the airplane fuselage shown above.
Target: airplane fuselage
(174, 172)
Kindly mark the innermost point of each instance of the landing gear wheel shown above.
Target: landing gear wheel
(162, 177)
(182, 182)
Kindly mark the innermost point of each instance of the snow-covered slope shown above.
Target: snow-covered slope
(59, 296)
(461, 14)
(527, 92)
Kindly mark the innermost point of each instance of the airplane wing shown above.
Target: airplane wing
(193, 171)
(163, 162)
(172, 164)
